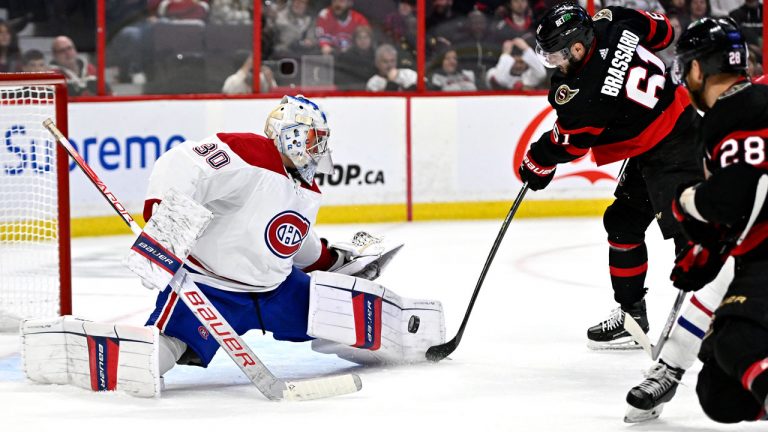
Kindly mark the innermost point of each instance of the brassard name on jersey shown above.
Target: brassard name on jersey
(623, 54)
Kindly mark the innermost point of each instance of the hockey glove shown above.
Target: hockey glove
(694, 229)
(537, 176)
(365, 256)
(697, 265)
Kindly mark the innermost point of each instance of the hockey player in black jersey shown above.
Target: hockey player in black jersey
(613, 96)
(726, 215)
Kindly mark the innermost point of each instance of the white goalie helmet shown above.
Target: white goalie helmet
(300, 131)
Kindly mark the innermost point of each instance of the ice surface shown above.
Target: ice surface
(523, 364)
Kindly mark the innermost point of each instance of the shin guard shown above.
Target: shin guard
(684, 342)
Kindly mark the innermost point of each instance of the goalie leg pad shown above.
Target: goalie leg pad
(90, 355)
(363, 322)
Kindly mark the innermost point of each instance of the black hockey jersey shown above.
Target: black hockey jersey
(620, 102)
(734, 133)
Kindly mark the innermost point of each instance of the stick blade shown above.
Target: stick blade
(320, 388)
(439, 352)
(637, 333)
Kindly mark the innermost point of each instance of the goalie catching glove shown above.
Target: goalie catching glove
(365, 256)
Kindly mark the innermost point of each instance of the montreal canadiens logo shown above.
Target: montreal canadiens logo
(285, 233)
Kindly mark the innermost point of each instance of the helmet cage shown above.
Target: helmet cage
(300, 132)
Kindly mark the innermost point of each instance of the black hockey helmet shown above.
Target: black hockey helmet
(561, 27)
(718, 45)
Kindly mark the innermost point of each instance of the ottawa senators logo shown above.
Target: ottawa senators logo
(564, 94)
(285, 233)
(603, 14)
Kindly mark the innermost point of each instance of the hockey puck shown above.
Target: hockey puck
(413, 324)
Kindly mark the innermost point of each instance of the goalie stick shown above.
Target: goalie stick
(439, 352)
(633, 328)
(269, 385)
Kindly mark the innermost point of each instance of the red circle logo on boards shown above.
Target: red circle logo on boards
(592, 175)
(285, 233)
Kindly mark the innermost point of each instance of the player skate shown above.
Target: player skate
(646, 400)
(610, 333)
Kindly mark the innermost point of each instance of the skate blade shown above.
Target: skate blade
(634, 415)
(620, 344)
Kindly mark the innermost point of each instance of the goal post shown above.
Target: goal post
(35, 260)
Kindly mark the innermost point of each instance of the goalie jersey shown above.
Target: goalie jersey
(735, 134)
(263, 217)
(620, 102)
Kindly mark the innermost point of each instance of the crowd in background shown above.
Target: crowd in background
(205, 46)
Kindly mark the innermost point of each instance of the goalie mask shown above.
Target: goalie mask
(300, 132)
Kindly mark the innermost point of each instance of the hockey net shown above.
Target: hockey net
(34, 200)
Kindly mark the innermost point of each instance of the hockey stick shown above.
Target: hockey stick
(269, 385)
(439, 352)
(633, 328)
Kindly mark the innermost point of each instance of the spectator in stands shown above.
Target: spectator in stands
(231, 12)
(645, 5)
(697, 9)
(494, 8)
(388, 76)
(81, 75)
(294, 30)
(750, 18)
(518, 68)
(241, 82)
(724, 7)
(335, 26)
(375, 10)
(396, 23)
(407, 44)
(475, 47)
(518, 23)
(679, 7)
(442, 24)
(9, 49)
(33, 61)
(357, 64)
(183, 9)
(129, 23)
(442, 12)
(447, 76)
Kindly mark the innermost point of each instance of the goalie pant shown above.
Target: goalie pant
(733, 383)
(350, 315)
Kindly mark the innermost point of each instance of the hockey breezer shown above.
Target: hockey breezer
(270, 386)
(439, 352)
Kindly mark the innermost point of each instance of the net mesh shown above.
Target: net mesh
(29, 261)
